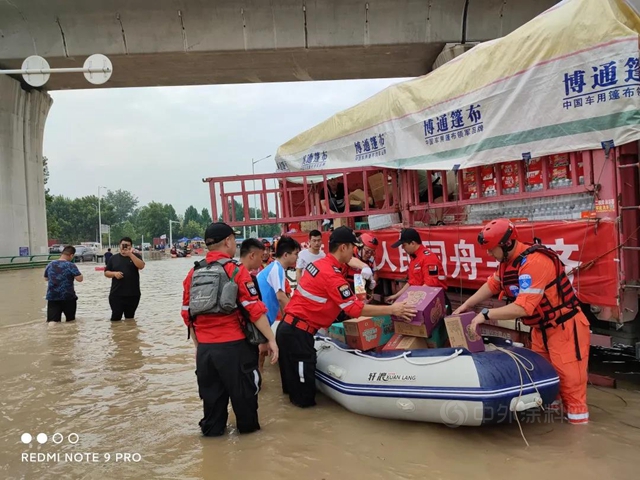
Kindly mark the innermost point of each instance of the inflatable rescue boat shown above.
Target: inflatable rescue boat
(445, 385)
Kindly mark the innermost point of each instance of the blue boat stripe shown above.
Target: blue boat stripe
(425, 396)
(400, 390)
(462, 393)
(469, 390)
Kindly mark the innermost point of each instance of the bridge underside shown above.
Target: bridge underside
(203, 68)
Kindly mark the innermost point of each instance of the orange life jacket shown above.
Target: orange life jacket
(546, 314)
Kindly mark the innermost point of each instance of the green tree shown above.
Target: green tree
(205, 218)
(267, 230)
(191, 214)
(153, 219)
(125, 229)
(53, 228)
(123, 202)
(76, 220)
(192, 229)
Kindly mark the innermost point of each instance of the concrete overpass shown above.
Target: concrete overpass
(193, 42)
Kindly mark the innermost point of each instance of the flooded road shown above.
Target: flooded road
(130, 388)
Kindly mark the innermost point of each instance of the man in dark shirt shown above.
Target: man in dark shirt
(123, 268)
(61, 296)
(336, 197)
(107, 256)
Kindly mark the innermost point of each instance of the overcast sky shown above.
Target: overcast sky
(160, 142)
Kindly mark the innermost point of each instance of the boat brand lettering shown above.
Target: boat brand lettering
(390, 377)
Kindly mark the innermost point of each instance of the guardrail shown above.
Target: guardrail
(28, 261)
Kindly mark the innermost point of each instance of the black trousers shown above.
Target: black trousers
(126, 306)
(297, 361)
(55, 309)
(228, 371)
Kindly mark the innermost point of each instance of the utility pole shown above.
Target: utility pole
(171, 222)
(100, 220)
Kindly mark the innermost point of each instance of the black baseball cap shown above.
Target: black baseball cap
(407, 235)
(216, 232)
(343, 235)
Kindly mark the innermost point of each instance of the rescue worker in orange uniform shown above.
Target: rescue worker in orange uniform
(364, 261)
(315, 304)
(227, 365)
(425, 268)
(533, 279)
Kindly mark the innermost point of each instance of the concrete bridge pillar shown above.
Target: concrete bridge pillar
(23, 221)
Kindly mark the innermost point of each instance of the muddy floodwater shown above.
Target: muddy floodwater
(127, 391)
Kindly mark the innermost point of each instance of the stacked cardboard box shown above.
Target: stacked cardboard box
(461, 333)
(366, 333)
(426, 330)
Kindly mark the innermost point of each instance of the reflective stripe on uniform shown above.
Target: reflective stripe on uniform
(578, 416)
(301, 371)
(256, 380)
(310, 296)
(442, 277)
(346, 304)
(185, 308)
(531, 291)
(248, 302)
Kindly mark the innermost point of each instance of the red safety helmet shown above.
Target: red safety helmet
(497, 233)
(369, 241)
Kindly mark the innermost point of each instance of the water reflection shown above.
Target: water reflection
(130, 387)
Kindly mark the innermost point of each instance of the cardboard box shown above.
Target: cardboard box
(409, 329)
(461, 334)
(308, 226)
(336, 331)
(404, 342)
(359, 287)
(386, 324)
(439, 337)
(429, 301)
(357, 198)
(343, 222)
(376, 187)
(362, 333)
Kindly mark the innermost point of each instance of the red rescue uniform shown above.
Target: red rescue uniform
(564, 341)
(320, 296)
(425, 268)
(226, 364)
(224, 328)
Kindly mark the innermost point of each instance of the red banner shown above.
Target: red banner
(467, 265)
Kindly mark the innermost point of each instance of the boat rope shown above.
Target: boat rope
(404, 355)
(520, 364)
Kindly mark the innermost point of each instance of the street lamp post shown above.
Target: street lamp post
(171, 222)
(100, 220)
(253, 171)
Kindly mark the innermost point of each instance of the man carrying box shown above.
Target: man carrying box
(315, 304)
(425, 268)
(533, 278)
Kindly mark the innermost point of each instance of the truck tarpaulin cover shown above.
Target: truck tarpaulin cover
(568, 80)
(467, 265)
